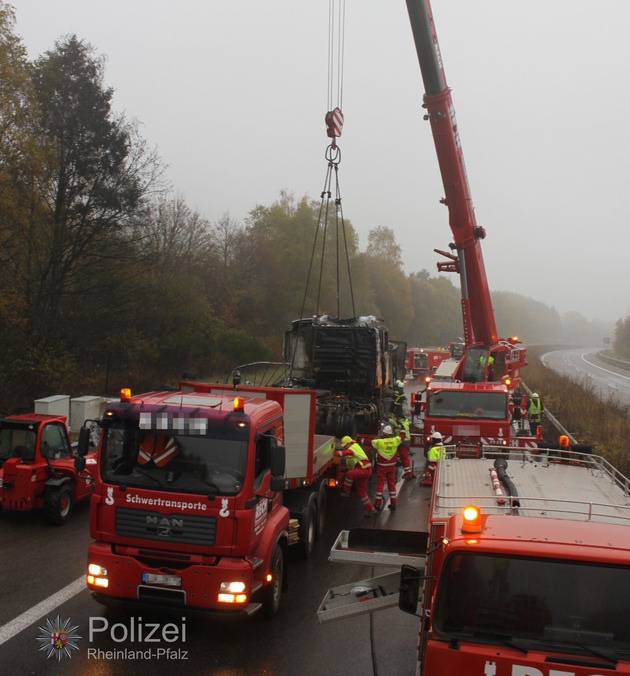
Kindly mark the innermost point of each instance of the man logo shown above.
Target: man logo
(164, 526)
(58, 638)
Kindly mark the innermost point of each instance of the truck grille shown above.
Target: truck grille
(150, 525)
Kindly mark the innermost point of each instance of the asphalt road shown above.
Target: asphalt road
(41, 578)
(584, 366)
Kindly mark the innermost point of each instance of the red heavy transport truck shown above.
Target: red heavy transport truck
(200, 492)
(527, 567)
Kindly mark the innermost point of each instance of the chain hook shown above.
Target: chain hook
(333, 154)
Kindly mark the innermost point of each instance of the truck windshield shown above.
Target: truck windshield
(421, 360)
(162, 460)
(467, 404)
(564, 603)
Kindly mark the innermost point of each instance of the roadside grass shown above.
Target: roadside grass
(605, 424)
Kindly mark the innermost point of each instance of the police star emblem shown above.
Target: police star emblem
(58, 638)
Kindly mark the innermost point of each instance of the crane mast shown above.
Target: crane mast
(477, 313)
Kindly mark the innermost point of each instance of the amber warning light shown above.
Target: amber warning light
(125, 394)
(472, 519)
(239, 404)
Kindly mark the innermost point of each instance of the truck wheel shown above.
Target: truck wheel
(321, 510)
(273, 591)
(58, 505)
(308, 530)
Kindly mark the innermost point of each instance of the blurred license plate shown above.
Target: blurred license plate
(158, 578)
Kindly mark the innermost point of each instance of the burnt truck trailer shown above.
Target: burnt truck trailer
(353, 366)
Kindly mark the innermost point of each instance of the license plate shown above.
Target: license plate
(158, 578)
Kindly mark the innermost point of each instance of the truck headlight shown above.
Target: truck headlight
(97, 576)
(232, 592)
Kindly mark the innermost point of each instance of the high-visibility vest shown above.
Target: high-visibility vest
(405, 428)
(159, 448)
(534, 410)
(359, 457)
(386, 447)
(436, 452)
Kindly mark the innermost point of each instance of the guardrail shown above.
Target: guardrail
(613, 361)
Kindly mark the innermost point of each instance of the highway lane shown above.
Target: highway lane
(584, 366)
(38, 561)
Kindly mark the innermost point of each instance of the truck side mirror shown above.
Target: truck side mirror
(277, 484)
(278, 460)
(409, 592)
(79, 463)
(84, 442)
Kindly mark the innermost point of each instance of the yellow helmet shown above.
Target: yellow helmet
(346, 440)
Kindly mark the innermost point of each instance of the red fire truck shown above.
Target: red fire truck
(421, 362)
(473, 417)
(200, 492)
(527, 567)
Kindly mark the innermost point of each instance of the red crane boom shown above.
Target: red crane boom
(480, 329)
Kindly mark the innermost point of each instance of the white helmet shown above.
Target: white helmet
(399, 383)
(436, 436)
(388, 429)
(534, 395)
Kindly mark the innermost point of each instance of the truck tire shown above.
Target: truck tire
(272, 593)
(308, 530)
(58, 504)
(322, 499)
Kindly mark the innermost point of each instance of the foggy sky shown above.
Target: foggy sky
(233, 95)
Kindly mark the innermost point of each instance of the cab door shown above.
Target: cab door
(265, 500)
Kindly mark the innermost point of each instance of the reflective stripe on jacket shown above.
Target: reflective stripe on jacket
(359, 457)
(398, 396)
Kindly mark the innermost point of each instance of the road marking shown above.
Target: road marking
(602, 368)
(26, 619)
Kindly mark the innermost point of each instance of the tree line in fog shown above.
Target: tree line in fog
(109, 279)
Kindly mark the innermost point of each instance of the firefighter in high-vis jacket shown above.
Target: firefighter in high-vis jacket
(386, 448)
(401, 427)
(359, 471)
(534, 413)
(398, 398)
(435, 453)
